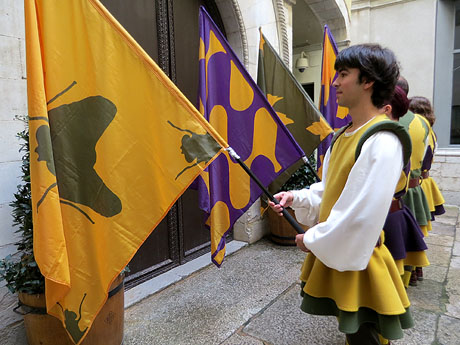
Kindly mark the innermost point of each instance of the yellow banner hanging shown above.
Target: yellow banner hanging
(113, 145)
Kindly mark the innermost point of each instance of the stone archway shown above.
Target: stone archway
(234, 26)
(335, 14)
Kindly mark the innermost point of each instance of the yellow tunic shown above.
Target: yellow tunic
(415, 199)
(429, 186)
(379, 286)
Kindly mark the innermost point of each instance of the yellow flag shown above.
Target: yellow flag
(113, 145)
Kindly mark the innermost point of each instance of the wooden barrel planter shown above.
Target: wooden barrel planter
(281, 232)
(45, 329)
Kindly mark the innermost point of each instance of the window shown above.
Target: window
(455, 118)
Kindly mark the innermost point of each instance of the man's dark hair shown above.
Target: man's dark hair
(375, 64)
(402, 82)
(399, 103)
(422, 105)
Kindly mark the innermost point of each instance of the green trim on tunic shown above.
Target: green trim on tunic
(389, 326)
(415, 199)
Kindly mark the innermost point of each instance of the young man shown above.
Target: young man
(348, 272)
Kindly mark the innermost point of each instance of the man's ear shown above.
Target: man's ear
(368, 84)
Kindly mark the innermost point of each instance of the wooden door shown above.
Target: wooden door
(168, 31)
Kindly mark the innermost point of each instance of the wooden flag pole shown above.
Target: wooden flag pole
(286, 214)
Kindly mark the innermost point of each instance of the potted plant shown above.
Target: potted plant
(281, 232)
(22, 276)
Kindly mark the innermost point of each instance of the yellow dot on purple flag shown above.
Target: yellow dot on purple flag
(220, 222)
(342, 112)
(241, 93)
(238, 184)
(214, 46)
(264, 127)
(220, 218)
(218, 119)
(201, 107)
(202, 50)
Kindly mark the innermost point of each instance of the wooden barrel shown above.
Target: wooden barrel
(281, 232)
(45, 329)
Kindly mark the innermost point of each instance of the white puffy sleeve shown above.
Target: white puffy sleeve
(346, 240)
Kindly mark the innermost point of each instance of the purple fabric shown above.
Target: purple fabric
(329, 110)
(240, 130)
(403, 234)
(438, 210)
(406, 171)
(428, 159)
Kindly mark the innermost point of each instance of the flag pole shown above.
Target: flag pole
(286, 214)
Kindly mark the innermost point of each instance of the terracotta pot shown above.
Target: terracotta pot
(281, 232)
(45, 329)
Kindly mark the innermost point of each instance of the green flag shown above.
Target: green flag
(292, 104)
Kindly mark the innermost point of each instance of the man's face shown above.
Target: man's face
(348, 88)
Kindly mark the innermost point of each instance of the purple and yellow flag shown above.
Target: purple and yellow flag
(336, 116)
(113, 144)
(239, 111)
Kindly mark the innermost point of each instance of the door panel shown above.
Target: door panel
(186, 43)
(168, 31)
(138, 17)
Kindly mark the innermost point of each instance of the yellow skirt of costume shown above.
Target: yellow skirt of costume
(375, 294)
(432, 193)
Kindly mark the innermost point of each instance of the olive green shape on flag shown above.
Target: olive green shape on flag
(68, 145)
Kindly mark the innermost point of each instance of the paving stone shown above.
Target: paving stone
(446, 220)
(243, 339)
(439, 255)
(436, 273)
(283, 323)
(442, 229)
(438, 239)
(453, 276)
(453, 305)
(14, 335)
(8, 302)
(451, 212)
(426, 296)
(423, 333)
(456, 250)
(448, 330)
(208, 307)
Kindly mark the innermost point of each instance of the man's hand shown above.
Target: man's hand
(300, 244)
(285, 200)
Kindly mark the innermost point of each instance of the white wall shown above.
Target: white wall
(312, 74)
(407, 27)
(255, 14)
(14, 102)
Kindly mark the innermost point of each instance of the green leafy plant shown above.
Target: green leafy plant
(302, 177)
(20, 271)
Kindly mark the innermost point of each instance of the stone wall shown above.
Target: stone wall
(446, 172)
(14, 102)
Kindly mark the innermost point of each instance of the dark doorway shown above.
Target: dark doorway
(310, 90)
(168, 31)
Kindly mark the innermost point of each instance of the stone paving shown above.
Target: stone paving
(253, 299)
